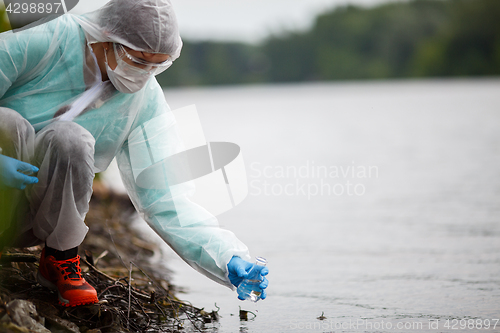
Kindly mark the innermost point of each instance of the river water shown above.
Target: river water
(376, 204)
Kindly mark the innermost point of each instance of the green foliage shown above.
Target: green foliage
(215, 63)
(289, 61)
(419, 38)
(468, 45)
(4, 22)
(358, 43)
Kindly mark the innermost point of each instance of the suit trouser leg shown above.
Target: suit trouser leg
(54, 209)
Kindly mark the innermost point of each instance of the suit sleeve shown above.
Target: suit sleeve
(190, 230)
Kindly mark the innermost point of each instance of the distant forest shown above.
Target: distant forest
(418, 38)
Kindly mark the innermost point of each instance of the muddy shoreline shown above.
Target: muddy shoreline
(113, 255)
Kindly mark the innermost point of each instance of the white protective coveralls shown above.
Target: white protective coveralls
(49, 75)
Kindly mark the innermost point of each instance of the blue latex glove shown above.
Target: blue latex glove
(238, 270)
(15, 173)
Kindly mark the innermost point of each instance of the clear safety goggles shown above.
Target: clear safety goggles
(140, 66)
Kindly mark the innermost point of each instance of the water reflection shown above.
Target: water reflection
(420, 246)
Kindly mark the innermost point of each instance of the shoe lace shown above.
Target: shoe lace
(71, 268)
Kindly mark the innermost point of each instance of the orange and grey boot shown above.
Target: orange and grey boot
(65, 276)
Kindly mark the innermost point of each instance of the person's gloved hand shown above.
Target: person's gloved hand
(15, 173)
(238, 270)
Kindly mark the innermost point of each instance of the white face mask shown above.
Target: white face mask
(124, 83)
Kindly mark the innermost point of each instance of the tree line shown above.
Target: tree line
(419, 38)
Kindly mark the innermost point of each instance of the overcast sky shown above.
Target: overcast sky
(242, 20)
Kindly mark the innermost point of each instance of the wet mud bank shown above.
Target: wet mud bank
(134, 291)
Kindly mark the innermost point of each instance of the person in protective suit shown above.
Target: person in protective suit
(76, 92)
